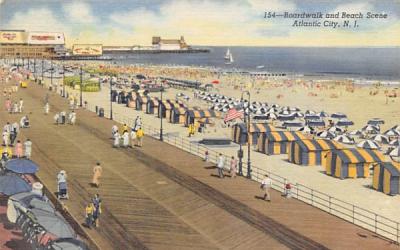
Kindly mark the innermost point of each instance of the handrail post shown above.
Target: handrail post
(353, 214)
(397, 233)
(330, 204)
(376, 223)
(312, 197)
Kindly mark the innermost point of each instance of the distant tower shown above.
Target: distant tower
(156, 40)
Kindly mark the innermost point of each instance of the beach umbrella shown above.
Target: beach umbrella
(372, 129)
(306, 129)
(67, 244)
(294, 109)
(356, 132)
(375, 121)
(395, 152)
(395, 142)
(285, 112)
(326, 134)
(323, 114)
(344, 123)
(316, 123)
(290, 117)
(380, 138)
(338, 115)
(392, 132)
(292, 124)
(310, 112)
(22, 166)
(368, 144)
(53, 223)
(215, 82)
(397, 128)
(298, 114)
(311, 117)
(336, 129)
(13, 184)
(344, 139)
(271, 115)
(275, 105)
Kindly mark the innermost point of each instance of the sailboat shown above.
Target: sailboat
(227, 55)
(230, 59)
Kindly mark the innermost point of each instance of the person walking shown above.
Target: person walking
(220, 165)
(46, 108)
(89, 210)
(97, 209)
(233, 167)
(7, 104)
(6, 137)
(124, 129)
(266, 185)
(133, 138)
(72, 117)
(28, 148)
(139, 136)
(97, 171)
(114, 129)
(125, 139)
(206, 156)
(21, 105)
(18, 149)
(117, 139)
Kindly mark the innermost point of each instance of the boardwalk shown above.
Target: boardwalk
(159, 197)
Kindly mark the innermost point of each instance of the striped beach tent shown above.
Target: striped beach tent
(164, 108)
(192, 115)
(152, 106)
(352, 162)
(173, 105)
(178, 115)
(386, 178)
(240, 134)
(141, 102)
(132, 100)
(311, 152)
(277, 142)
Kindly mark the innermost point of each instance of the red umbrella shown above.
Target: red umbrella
(215, 82)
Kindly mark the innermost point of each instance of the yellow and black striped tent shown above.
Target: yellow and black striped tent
(387, 177)
(164, 108)
(311, 152)
(277, 142)
(132, 100)
(169, 112)
(193, 115)
(152, 106)
(352, 162)
(178, 115)
(240, 134)
(141, 102)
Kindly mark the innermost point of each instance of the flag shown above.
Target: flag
(233, 114)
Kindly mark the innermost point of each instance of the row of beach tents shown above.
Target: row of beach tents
(338, 159)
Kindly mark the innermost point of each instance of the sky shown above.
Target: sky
(202, 22)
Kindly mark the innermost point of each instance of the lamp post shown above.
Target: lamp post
(63, 95)
(161, 124)
(111, 111)
(42, 68)
(80, 87)
(51, 72)
(248, 132)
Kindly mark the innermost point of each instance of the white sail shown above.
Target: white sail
(231, 58)
(227, 55)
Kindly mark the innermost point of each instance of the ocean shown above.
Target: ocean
(365, 63)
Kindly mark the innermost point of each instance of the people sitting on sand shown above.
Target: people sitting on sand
(24, 122)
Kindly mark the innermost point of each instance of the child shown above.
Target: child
(288, 189)
(206, 156)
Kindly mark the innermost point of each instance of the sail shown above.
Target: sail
(231, 58)
(228, 54)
